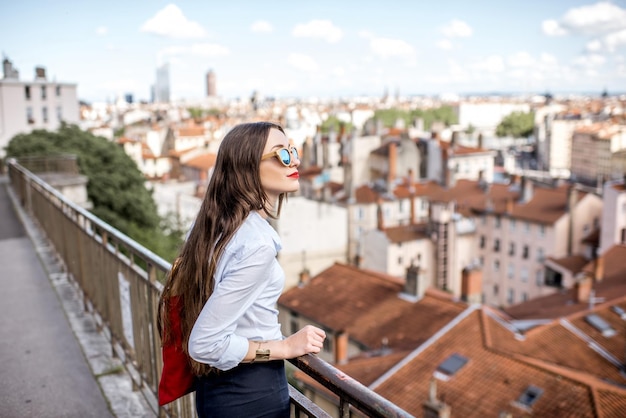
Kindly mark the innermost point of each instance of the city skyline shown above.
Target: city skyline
(320, 50)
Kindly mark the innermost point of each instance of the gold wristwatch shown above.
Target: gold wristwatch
(262, 355)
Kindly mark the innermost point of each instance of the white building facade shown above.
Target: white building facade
(37, 104)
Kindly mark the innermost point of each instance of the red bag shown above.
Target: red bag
(177, 380)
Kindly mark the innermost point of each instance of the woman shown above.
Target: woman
(227, 280)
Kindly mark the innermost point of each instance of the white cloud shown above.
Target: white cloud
(172, 23)
(590, 61)
(602, 17)
(594, 46)
(102, 30)
(491, 64)
(386, 47)
(303, 62)
(338, 72)
(444, 44)
(261, 26)
(615, 40)
(200, 50)
(521, 59)
(457, 29)
(553, 28)
(322, 29)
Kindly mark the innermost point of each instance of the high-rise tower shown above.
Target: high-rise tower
(162, 85)
(211, 89)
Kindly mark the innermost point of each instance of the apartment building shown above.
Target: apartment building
(556, 156)
(517, 231)
(36, 104)
(613, 228)
(593, 149)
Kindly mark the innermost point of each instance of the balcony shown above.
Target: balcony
(121, 281)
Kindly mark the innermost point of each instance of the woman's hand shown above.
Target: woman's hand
(309, 339)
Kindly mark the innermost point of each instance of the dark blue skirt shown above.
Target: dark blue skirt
(248, 390)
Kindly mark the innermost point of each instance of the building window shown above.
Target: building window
(524, 296)
(526, 227)
(496, 245)
(510, 271)
(498, 221)
(495, 289)
(482, 241)
(43, 92)
(27, 92)
(58, 91)
(483, 219)
(542, 231)
(511, 248)
(359, 214)
(496, 265)
(29, 115)
(510, 298)
(525, 252)
(400, 260)
(523, 274)
(539, 278)
(512, 224)
(44, 114)
(59, 113)
(540, 255)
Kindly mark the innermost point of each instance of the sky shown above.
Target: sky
(323, 49)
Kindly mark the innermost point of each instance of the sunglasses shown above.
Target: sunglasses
(284, 155)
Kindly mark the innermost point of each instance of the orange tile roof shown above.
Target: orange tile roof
(367, 306)
(406, 233)
(203, 161)
(191, 131)
(491, 381)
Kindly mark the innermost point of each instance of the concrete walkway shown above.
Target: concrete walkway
(53, 361)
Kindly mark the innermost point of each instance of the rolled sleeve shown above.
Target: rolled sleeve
(215, 338)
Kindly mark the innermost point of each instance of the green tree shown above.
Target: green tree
(389, 117)
(334, 123)
(115, 185)
(516, 125)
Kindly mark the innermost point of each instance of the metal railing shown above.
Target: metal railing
(121, 283)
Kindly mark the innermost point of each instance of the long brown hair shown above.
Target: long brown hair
(233, 192)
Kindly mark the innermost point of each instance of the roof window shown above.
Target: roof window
(619, 311)
(450, 367)
(601, 325)
(529, 397)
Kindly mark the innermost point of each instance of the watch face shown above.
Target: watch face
(262, 355)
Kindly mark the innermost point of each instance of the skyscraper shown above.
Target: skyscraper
(211, 89)
(162, 85)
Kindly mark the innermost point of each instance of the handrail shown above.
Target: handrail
(121, 281)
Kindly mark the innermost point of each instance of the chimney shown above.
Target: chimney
(379, 215)
(526, 190)
(598, 273)
(582, 288)
(40, 73)
(305, 277)
(412, 285)
(433, 407)
(572, 198)
(392, 164)
(509, 205)
(471, 285)
(454, 139)
(341, 347)
(412, 198)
